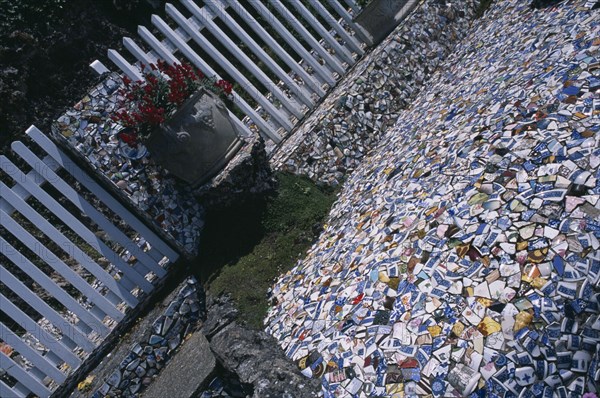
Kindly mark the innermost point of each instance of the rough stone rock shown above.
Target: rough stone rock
(247, 175)
(221, 312)
(257, 360)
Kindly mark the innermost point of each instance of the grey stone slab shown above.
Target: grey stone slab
(381, 17)
(256, 359)
(188, 371)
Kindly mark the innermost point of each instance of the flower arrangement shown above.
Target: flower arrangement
(147, 104)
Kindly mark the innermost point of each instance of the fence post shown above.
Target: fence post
(340, 51)
(316, 46)
(193, 31)
(195, 59)
(319, 69)
(206, 19)
(309, 80)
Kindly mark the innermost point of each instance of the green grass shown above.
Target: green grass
(243, 250)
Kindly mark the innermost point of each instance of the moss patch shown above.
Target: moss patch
(243, 250)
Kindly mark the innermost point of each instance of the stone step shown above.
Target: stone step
(187, 373)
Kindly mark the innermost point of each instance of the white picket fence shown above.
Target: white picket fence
(112, 261)
(294, 81)
(74, 262)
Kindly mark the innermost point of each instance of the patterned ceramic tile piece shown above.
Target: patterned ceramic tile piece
(463, 254)
(89, 130)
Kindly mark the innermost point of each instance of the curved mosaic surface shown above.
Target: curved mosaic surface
(462, 257)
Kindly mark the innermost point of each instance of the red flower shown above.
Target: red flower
(165, 88)
(129, 137)
(225, 86)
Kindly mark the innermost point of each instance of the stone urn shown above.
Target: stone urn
(197, 141)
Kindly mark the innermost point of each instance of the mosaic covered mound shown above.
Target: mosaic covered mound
(88, 129)
(462, 257)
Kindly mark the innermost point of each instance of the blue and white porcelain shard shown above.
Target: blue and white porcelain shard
(90, 131)
(133, 153)
(484, 199)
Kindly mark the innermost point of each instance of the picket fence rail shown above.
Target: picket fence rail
(108, 262)
(295, 62)
(74, 262)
